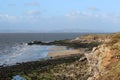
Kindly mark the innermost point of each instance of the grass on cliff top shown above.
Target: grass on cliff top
(94, 36)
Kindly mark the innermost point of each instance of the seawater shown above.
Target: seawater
(13, 48)
(25, 54)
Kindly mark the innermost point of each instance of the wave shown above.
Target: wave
(24, 53)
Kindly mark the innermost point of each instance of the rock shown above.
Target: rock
(117, 56)
(82, 59)
(99, 59)
(94, 49)
(35, 42)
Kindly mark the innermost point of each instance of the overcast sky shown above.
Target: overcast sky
(59, 15)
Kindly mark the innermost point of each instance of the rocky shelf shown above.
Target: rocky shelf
(36, 70)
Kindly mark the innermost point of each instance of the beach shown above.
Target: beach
(60, 51)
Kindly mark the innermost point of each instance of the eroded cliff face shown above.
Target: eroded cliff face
(98, 60)
(104, 62)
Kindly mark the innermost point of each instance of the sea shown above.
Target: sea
(14, 48)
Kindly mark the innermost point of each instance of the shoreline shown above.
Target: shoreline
(53, 51)
(42, 65)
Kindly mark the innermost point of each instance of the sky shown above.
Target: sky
(59, 16)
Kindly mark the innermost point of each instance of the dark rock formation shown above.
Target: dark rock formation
(68, 43)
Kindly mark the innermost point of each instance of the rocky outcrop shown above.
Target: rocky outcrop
(70, 44)
(102, 59)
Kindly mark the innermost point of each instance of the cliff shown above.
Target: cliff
(104, 60)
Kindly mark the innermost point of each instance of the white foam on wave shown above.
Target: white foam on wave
(24, 53)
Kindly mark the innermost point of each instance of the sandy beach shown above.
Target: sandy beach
(61, 51)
